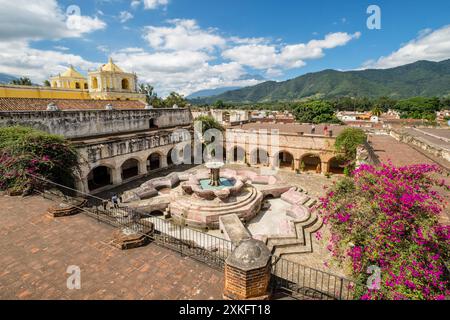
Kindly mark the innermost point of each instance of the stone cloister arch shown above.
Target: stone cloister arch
(100, 177)
(284, 159)
(259, 156)
(311, 162)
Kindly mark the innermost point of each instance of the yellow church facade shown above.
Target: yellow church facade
(109, 82)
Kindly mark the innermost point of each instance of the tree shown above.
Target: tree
(219, 104)
(23, 81)
(175, 99)
(315, 112)
(347, 143)
(150, 95)
(418, 108)
(25, 151)
(47, 83)
(209, 122)
(388, 217)
(377, 111)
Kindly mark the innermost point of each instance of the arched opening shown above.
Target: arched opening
(125, 84)
(311, 163)
(85, 86)
(99, 177)
(238, 154)
(94, 83)
(130, 169)
(336, 166)
(169, 158)
(285, 160)
(54, 84)
(153, 162)
(77, 85)
(259, 157)
(156, 213)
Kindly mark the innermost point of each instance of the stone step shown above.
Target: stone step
(301, 226)
(232, 206)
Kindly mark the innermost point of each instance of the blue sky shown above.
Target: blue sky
(189, 45)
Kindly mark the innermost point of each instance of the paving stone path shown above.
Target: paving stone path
(36, 250)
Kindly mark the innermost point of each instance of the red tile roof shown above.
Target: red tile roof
(29, 104)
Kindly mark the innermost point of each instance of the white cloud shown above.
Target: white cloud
(181, 71)
(429, 45)
(23, 21)
(17, 58)
(61, 48)
(269, 56)
(42, 19)
(124, 16)
(182, 35)
(149, 4)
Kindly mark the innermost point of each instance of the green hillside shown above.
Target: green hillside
(422, 78)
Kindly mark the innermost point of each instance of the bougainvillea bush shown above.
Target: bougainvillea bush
(26, 152)
(387, 217)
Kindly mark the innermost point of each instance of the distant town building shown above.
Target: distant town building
(345, 116)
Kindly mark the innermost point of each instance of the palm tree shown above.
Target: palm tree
(377, 111)
(23, 81)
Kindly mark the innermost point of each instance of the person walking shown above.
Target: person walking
(115, 201)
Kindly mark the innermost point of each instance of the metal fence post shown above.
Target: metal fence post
(341, 288)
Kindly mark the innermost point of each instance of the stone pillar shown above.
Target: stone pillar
(143, 167)
(324, 167)
(163, 162)
(248, 271)
(297, 164)
(116, 176)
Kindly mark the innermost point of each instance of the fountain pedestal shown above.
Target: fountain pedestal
(215, 173)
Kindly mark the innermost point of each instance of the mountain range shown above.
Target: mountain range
(422, 78)
(6, 78)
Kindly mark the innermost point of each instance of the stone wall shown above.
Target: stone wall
(82, 124)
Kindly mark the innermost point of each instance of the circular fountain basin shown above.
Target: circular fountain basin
(224, 184)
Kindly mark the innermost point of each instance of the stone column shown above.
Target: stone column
(297, 163)
(324, 167)
(116, 176)
(248, 271)
(143, 167)
(163, 162)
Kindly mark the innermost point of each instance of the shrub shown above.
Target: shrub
(388, 217)
(25, 151)
(346, 144)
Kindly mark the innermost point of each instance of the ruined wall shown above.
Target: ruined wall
(80, 124)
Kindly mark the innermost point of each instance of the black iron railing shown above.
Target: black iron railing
(303, 282)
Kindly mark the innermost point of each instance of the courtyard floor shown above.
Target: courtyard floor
(36, 250)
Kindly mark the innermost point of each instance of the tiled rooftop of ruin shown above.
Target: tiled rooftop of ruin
(30, 104)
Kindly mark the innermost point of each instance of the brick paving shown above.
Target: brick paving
(36, 250)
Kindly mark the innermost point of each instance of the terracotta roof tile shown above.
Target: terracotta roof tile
(29, 104)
